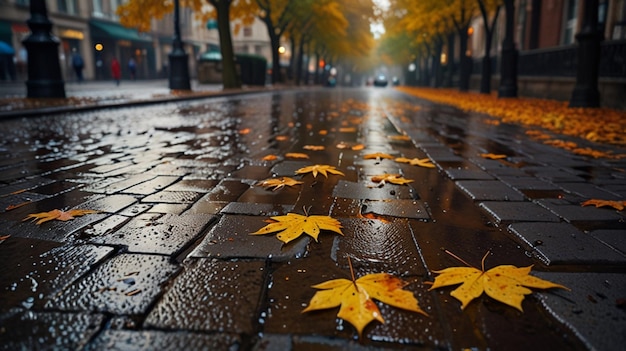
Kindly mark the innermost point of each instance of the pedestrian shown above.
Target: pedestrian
(116, 70)
(78, 65)
(132, 68)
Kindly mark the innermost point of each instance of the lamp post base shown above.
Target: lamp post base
(179, 71)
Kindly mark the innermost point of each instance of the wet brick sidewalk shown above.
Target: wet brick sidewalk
(168, 262)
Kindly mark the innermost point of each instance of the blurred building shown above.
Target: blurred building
(545, 35)
(91, 28)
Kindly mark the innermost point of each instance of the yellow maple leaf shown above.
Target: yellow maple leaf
(491, 156)
(422, 162)
(59, 215)
(390, 178)
(277, 183)
(323, 169)
(378, 155)
(355, 298)
(296, 155)
(506, 283)
(616, 204)
(292, 225)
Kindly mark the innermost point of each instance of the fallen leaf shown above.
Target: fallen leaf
(356, 298)
(323, 169)
(400, 137)
(314, 147)
(3, 238)
(277, 183)
(270, 158)
(422, 162)
(58, 215)
(245, 131)
(12, 207)
(296, 155)
(506, 283)
(491, 156)
(390, 178)
(347, 130)
(358, 147)
(292, 225)
(323, 132)
(378, 155)
(282, 138)
(616, 204)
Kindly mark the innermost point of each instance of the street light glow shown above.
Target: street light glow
(99, 47)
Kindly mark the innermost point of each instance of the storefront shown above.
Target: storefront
(112, 40)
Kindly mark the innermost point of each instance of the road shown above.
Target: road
(168, 260)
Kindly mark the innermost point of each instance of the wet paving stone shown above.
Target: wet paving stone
(125, 284)
(11, 201)
(195, 185)
(352, 190)
(161, 340)
(254, 209)
(176, 209)
(288, 168)
(397, 208)
(593, 308)
(214, 296)
(489, 190)
(152, 186)
(508, 212)
(206, 206)
(226, 190)
(32, 270)
(588, 217)
(121, 184)
(562, 243)
(155, 234)
(230, 238)
(173, 197)
(257, 194)
(386, 246)
(614, 238)
(30, 330)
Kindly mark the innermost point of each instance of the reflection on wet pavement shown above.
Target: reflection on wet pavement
(174, 184)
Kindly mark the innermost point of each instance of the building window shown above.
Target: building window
(258, 49)
(571, 22)
(97, 8)
(247, 31)
(67, 6)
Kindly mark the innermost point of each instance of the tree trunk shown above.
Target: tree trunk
(465, 62)
(586, 93)
(508, 65)
(275, 45)
(437, 68)
(230, 78)
(485, 77)
(450, 61)
(299, 61)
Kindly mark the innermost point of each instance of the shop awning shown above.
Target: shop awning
(5, 32)
(116, 31)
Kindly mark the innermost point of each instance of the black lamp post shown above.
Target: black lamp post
(44, 69)
(179, 67)
(586, 93)
(508, 68)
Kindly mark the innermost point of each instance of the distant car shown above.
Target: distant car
(381, 81)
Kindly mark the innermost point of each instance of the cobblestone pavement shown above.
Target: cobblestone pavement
(168, 262)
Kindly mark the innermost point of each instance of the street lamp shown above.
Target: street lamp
(44, 69)
(179, 66)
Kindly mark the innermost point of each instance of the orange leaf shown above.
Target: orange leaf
(378, 155)
(314, 147)
(297, 155)
(618, 205)
(59, 215)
